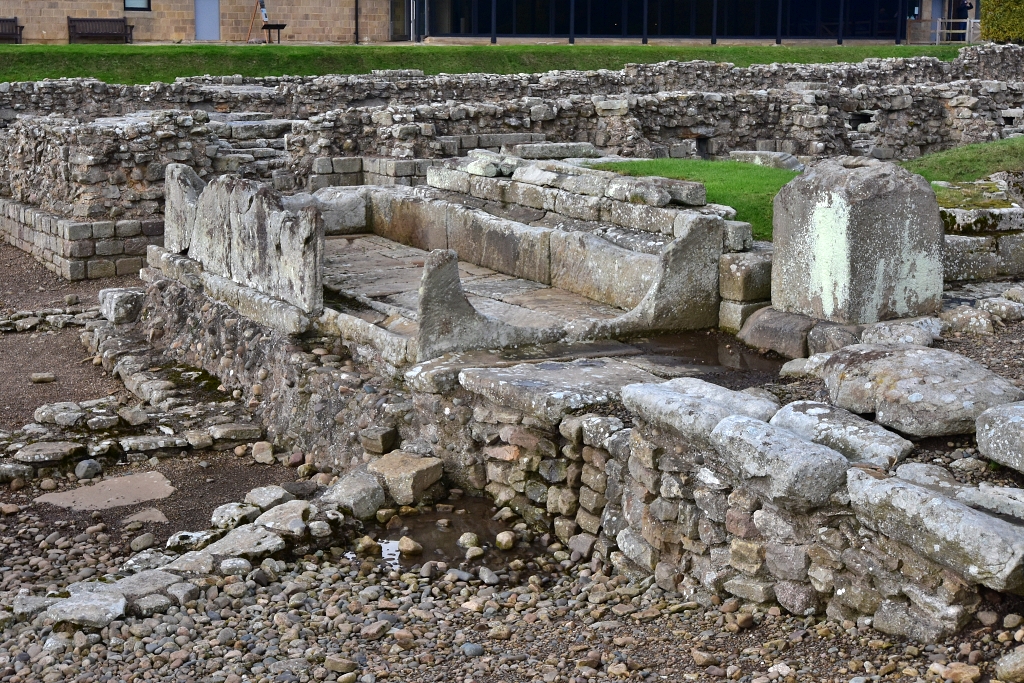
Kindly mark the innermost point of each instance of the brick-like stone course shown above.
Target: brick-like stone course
(79, 250)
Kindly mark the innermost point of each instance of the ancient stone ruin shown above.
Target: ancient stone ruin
(421, 284)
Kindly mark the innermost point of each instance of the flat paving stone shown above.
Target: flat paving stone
(110, 493)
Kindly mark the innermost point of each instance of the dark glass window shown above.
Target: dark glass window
(137, 5)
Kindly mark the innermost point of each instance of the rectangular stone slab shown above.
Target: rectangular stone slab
(550, 390)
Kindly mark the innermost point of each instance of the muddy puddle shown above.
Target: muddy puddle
(440, 540)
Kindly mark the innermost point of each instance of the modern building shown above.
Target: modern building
(345, 21)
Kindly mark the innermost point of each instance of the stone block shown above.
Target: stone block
(776, 464)
(774, 330)
(98, 268)
(915, 390)
(732, 315)
(857, 242)
(502, 245)
(182, 187)
(599, 270)
(343, 210)
(748, 588)
(406, 476)
(637, 549)
(121, 305)
(637, 217)
(737, 236)
(787, 562)
(414, 221)
(977, 546)
(358, 492)
(966, 258)
(1001, 435)
(841, 430)
(693, 407)
(746, 276)
(797, 597)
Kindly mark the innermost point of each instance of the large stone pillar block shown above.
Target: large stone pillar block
(857, 241)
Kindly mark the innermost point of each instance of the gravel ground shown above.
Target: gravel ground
(326, 618)
(26, 285)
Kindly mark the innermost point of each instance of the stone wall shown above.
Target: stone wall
(684, 480)
(301, 97)
(79, 250)
(884, 122)
(112, 168)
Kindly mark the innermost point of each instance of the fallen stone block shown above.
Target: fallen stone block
(853, 436)
(1001, 435)
(357, 492)
(406, 475)
(776, 464)
(774, 330)
(49, 453)
(91, 606)
(914, 390)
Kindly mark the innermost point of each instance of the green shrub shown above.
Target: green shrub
(1003, 21)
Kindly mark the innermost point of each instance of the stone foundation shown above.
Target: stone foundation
(78, 250)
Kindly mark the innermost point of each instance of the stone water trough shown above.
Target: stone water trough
(494, 252)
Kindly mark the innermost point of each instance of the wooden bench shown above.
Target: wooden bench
(9, 29)
(119, 29)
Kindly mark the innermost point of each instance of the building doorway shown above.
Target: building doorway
(207, 19)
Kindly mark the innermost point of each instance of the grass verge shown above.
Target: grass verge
(971, 162)
(748, 188)
(146, 63)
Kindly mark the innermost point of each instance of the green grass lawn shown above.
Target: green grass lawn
(147, 63)
(748, 188)
(970, 162)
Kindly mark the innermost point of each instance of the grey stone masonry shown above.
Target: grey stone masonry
(79, 250)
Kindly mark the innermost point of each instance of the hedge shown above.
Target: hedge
(1003, 21)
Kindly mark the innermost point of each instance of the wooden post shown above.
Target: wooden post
(494, 21)
(357, 22)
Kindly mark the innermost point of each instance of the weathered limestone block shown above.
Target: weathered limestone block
(733, 315)
(1001, 435)
(403, 216)
(915, 390)
(856, 438)
(693, 407)
(502, 245)
(921, 332)
(999, 500)
(182, 187)
(242, 233)
(406, 475)
(979, 547)
(967, 257)
(776, 464)
(857, 242)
